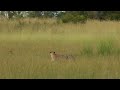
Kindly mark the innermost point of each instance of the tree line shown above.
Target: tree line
(64, 16)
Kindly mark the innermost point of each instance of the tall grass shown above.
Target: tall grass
(25, 45)
(105, 48)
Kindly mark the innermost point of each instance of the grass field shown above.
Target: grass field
(25, 47)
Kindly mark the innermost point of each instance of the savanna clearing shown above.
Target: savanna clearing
(25, 46)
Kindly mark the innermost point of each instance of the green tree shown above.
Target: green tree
(73, 16)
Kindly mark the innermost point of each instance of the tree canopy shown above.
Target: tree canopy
(65, 16)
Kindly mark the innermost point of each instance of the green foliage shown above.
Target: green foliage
(105, 48)
(87, 51)
(34, 14)
(65, 16)
(113, 15)
(73, 17)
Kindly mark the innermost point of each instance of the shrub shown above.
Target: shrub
(74, 18)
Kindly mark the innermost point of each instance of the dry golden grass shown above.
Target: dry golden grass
(25, 46)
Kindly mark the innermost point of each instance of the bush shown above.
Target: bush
(74, 18)
(113, 15)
